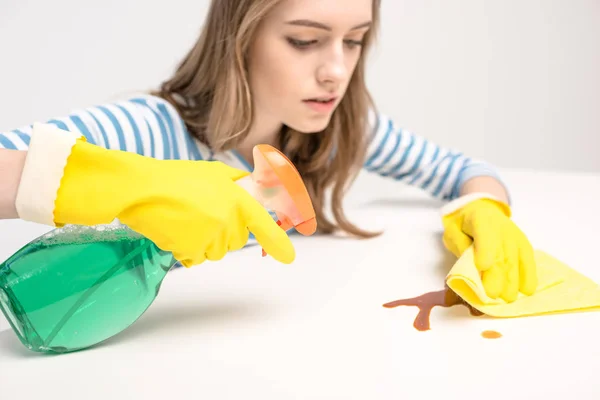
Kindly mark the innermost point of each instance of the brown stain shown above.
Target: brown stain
(491, 334)
(426, 302)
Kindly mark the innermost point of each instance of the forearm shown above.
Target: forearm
(11, 168)
(485, 184)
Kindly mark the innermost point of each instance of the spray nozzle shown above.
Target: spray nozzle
(278, 186)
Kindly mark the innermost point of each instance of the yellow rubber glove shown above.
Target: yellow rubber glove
(193, 209)
(503, 253)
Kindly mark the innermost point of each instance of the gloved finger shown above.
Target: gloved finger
(237, 238)
(190, 262)
(217, 249)
(528, 278)
(179, 257)
(455, 240)
(189, 257)
(487, 241)
(494, 281)
(268, 234)
(511, 265)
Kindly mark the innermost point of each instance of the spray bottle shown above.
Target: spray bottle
(77, 286)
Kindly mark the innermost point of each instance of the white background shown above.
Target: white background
(514, 82)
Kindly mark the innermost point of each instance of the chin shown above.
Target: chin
(310, 125)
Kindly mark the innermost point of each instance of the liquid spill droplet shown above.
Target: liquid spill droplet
(441, 298)
(491, 334)
(426, 302)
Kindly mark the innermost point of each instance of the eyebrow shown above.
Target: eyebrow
(315, 24)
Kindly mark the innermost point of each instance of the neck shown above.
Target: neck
(259, 134)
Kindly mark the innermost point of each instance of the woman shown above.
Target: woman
(290, 73)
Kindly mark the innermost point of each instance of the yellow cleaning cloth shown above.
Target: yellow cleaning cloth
(560, 289)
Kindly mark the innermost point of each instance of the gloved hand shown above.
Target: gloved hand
(503, 253)
(193, 209)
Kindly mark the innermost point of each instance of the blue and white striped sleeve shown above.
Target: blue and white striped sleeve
(401, 155)
(145, 125)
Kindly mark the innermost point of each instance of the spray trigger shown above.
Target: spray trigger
(278, 186)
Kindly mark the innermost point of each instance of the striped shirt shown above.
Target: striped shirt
(150, 126)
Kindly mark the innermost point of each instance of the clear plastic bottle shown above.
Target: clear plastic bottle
(77, 286)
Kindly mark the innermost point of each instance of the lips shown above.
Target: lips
(323, 100)
(321, 105)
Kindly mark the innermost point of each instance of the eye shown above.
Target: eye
(300, 44)
(353, 43)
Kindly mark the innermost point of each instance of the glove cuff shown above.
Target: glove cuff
(462, 201)
(49, 149)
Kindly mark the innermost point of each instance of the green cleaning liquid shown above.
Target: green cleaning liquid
(59, 295)
(78, 286)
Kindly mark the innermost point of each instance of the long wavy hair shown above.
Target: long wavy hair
(211, 92)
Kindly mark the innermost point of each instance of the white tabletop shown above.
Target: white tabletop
(248, 327)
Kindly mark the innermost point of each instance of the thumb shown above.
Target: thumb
(268, 234)
(455, 240)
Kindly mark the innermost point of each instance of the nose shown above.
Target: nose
(333, 70)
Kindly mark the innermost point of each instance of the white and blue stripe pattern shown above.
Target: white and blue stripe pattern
(144, 125)
(401, 155)
(150, 126)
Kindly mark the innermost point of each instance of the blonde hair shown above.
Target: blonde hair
(211, 92)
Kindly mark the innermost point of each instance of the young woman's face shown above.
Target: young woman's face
(302, 59)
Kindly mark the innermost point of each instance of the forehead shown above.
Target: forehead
(336, 13)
